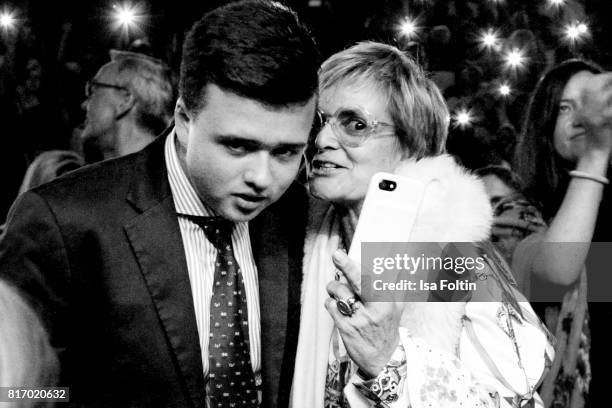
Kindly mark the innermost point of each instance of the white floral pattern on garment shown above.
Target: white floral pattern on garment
(448, 384)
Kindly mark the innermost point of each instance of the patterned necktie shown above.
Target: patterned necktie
(231, 382)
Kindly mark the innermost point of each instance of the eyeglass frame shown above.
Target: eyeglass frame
(93, 83)
(321, 120)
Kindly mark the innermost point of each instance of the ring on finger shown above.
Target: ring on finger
(346, 306)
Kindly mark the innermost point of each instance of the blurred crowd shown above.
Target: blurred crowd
(42, 97)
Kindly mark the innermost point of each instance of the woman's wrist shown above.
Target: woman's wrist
(385, 386)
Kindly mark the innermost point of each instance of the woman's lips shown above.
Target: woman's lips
(324, 168)
(576, 136)
(324, 164)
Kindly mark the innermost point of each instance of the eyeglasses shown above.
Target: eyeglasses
(351, 126)
(91, 85)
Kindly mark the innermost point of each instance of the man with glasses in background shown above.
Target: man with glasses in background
(128, 103)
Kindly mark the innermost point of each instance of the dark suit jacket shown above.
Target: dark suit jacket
(99, 253)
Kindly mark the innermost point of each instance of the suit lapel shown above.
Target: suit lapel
(157, 243)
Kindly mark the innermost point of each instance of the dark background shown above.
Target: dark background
(336, 23)
(56, 46)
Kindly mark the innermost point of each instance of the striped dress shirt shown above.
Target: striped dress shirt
(200, 254)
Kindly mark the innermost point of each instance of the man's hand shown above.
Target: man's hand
(371, 334)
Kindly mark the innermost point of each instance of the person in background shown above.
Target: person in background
(128, 103)
(515, 216)
(517, 224)
(48, 166)
(26, 357)
(13, 157)
(563, 157)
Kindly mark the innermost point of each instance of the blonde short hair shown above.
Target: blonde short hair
(414, 102)
(49, 165)
(26, 357)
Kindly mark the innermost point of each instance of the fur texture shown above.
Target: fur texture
(455, 209)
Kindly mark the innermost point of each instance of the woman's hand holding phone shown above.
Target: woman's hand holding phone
(371, 333)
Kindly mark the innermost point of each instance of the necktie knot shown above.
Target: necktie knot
(218, 230)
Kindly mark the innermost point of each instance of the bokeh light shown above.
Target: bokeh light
(515, 58)
(489, 39)
(409, 27)
(126, 16)
(463, 118)
(7, 20)
(504, 89)
(575, 32)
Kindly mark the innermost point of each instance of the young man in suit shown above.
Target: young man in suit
(170, 277)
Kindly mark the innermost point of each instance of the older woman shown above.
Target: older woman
(380, 113)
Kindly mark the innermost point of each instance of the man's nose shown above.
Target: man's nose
(259, 173)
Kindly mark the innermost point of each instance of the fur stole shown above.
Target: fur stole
(455, 208)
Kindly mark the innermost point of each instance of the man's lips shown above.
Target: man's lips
(251, 198)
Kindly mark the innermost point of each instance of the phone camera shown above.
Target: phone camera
(387, 185)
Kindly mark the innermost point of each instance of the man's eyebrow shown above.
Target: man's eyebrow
(238, 140)
(256, 143)
(290, 145)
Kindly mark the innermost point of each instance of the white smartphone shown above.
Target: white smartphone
(389, 211)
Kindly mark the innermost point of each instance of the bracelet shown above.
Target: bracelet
(384, 389)
(589, 176)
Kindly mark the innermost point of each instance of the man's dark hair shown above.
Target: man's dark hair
(255, 49)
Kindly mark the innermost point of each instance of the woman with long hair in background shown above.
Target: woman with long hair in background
(563, 158)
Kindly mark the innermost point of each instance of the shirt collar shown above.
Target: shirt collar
(186, 200)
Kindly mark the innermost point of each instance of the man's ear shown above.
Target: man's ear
(181, 119)
(125, 104)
